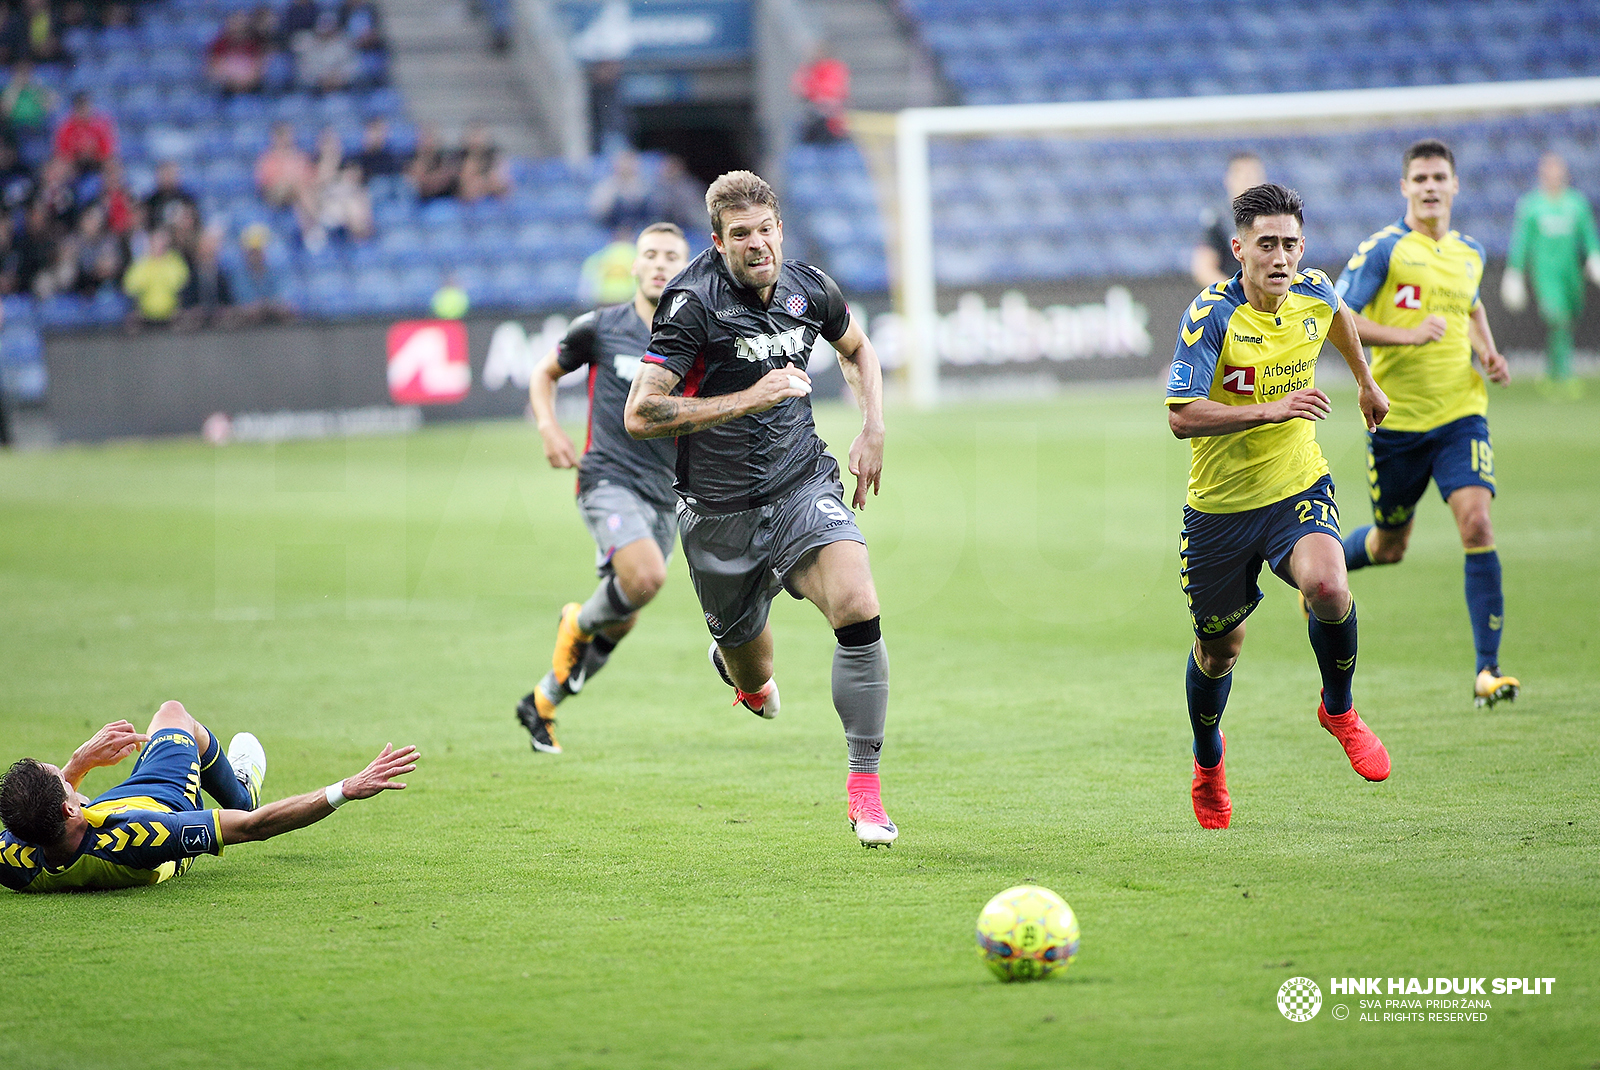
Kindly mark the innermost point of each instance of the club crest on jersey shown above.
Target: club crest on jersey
(1239, 380)
(1310, 324)
(796, 304)
(677, 303)
(1408, 295)
(790, 343)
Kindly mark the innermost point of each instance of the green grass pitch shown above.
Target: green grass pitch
(680, 889)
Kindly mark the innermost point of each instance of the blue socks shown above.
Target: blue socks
(220, 781)
(1355, 549)
(1486, 605)
(1335, 645)
(1207, 699)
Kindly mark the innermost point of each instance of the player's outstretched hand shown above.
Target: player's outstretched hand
(1497, 367)
(558, 448)
(109, 746)
(1309, 404)
(777, 386)
(379, 776)
(1374, 404)
(866, 464)
(1430, 330)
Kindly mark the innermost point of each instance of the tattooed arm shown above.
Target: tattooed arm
(652, 411)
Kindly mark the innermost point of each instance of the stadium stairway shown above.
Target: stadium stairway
(444, 63)
(889, 67)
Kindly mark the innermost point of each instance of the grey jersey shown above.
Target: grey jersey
(717, 337)
(611, 341)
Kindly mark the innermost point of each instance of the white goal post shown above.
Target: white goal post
(914, 126)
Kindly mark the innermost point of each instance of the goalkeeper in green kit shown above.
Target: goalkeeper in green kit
(1554, 239)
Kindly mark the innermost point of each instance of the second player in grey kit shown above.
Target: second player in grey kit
(625, 490)
(760, 502)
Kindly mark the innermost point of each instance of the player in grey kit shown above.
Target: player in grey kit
(760, 502)
(624, 486)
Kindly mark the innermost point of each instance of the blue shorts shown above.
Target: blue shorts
(1221, 553)
(167, 772)
(1400, 463)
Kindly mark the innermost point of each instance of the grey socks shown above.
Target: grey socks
(861, 693)
(607, 605)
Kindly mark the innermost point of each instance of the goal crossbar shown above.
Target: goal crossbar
(914, 126)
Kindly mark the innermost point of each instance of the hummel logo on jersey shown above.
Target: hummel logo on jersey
(677, 303)
(1408, 295)
(790, 343)
(1239, 380)
(1253, 339)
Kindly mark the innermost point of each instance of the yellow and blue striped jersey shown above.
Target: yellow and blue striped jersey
(1396, 278)
(1232, 353)
(130, 842)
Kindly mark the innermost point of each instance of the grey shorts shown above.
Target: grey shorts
(617, 516)
(738, 561)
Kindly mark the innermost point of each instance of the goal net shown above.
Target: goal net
(1036, 199)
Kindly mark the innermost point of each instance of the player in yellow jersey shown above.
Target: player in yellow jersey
(1243, 391)
(150, 828)
(1415, 286)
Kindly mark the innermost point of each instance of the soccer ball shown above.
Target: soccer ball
(1027, 933)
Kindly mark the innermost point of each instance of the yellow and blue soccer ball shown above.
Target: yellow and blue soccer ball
(1027, 933)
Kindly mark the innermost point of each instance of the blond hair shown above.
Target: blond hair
(738, 189)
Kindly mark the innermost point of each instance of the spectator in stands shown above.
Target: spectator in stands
(432, 170)
(680, 198)
(284, 171)
(25, 106)
(58, 192)
(208, 297)
(363, 25)
(10, 263)
(237, 59)
(154, 281)
(340, 206)
(299, 19)
(1212, 259)
(824, 84)
(483, 171)
(622, 200)
(325, 60)
(61, 274)
(86, 137)
(257, 293)
(169, 191)
(17, 183)
(36, 34)
(264, 25)
(376, 159)
(610, 117)
(99, 252)
(120, 205)
(36, 245)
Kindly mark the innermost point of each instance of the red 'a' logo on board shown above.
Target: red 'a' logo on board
(1408, 295)
(1239, 380)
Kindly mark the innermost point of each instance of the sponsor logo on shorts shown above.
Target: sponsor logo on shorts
(196, 839)
(1299, 999)
(1213, 625)
(1239, 380)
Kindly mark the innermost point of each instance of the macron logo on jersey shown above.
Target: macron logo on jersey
(1239, 380)
(1408, 295)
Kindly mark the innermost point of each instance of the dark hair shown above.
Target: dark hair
(30, 803)
(1429, 148)
(738, 189)
(664, 228)
(1269, 198)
